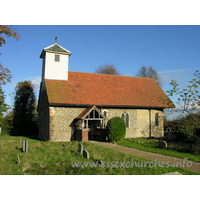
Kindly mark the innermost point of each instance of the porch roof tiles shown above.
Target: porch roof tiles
(87, 111)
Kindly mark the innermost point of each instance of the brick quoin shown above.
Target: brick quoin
(84, 135)
(50, 111)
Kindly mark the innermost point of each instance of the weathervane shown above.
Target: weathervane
(56, 39)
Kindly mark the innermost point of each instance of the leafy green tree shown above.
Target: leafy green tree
(189, 98)
(3, 106)
(3, 109)
(107, 69)
(188, 101)
(7, 123)
(24, 113)
(149, 72)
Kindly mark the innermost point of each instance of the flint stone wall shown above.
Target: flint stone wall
(139, 125)
(62, 127)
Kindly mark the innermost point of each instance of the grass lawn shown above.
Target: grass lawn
(50, 158)
(151, 145)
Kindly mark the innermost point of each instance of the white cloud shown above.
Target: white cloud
(127, 74)
(173, 71)
(36, 81)
(180, 75)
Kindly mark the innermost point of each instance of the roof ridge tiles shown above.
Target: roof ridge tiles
(110, 75)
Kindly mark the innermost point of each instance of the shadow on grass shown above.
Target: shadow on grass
(74, 152)
(35, 136)
(19, 149)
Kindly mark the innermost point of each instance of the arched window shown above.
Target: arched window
(156, 119)
(123, 116)
(127, 120)
(104, 113)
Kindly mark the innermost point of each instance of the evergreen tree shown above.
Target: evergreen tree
(24, 119)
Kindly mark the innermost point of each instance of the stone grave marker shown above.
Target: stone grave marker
(85, 154)
(18, 158)
(80, 148)
(162, 144)
(23, 145)
(26, 146)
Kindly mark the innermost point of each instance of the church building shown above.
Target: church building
(77, 106)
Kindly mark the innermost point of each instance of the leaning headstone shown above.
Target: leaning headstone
(23, 145)
(18, 158)
(162, 144)
(85, 154)
(26, 146)
(20, 140)
(80, 148)
(170, 136)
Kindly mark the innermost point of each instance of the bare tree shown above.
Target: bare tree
(149, 72)
(5, 74)
(107, 69)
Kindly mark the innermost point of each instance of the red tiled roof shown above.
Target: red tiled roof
(111, 90)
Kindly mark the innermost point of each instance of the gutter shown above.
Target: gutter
(105, 106)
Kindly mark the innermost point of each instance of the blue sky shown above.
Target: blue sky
(174, 51)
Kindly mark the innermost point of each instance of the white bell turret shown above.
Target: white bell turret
(55, 62)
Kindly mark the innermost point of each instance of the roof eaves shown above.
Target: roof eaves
(48, 49)
(56, 46)
(107, 106)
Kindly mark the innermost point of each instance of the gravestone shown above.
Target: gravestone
(162, 144)
(18, 158)
(85, 154)
(20, 140)
(23, 145)
(26, 146)
(170, 136)
(80, 148)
